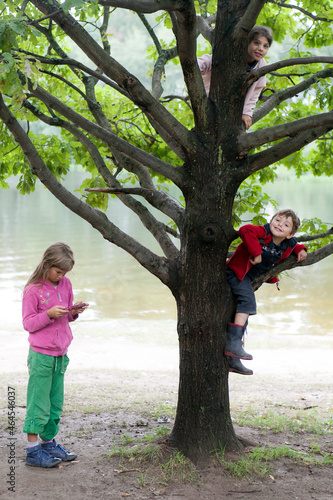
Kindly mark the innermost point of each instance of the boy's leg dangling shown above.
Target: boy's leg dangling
(234, 345)
(236, 366)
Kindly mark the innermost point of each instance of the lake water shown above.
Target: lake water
(117, 287)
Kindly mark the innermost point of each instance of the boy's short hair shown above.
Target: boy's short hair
(289, 213)
(261, 31)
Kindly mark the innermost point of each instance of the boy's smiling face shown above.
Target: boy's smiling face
(257, 49)
(281, 228)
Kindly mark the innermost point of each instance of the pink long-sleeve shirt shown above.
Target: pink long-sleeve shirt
(46, 335)
(253, 93)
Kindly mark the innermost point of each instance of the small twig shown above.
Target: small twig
(36, 21)
(126, 470)
(244, 491)
(315, 236)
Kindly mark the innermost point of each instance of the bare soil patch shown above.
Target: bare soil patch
(114, 407)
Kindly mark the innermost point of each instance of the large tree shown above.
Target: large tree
(57, 68)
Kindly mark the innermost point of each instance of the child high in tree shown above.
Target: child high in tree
(260, 40)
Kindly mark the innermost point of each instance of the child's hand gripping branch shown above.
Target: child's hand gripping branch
(302, 255)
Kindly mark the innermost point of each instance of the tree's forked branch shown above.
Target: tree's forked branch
(300, 9)
(158, 266)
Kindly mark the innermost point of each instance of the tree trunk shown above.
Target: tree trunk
(205, 306)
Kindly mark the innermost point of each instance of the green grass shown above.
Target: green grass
(260, 461)
(286, 420)
(245, 467)
(165, 410)
(161, 466)
(139, 452)
(178, 467)
(145, 449)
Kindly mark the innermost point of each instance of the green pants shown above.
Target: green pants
(45, 395)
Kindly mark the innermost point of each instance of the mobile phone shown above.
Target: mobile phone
(77, 306)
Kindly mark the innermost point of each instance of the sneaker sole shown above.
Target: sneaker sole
(48, 467)
(69, 459)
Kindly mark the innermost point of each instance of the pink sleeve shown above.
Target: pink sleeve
(205, 63)
(252, 96)
(32, 319)
(254, 91)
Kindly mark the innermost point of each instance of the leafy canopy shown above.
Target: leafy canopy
(299, 31)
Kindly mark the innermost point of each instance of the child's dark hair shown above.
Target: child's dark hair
(57, 255)
(261, 31)
(289, 213)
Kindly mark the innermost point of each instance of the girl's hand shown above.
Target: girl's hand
(247, 121)
(79, 308)
(56, 312)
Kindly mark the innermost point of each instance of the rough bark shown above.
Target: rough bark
(211, 173)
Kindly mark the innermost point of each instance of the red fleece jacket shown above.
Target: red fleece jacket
(254, 238)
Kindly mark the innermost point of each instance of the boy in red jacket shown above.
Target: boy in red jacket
(262, 247)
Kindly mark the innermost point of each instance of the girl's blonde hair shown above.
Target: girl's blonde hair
(57, 255)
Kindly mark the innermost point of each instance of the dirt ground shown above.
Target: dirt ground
(108, 405)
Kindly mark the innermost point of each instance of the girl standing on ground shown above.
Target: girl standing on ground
(46, 316)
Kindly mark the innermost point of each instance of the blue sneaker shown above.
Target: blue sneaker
(37, 457)
(58, 451)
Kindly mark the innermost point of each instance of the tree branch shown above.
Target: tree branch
(154, 197)
(249, 18)
(257, 73)
(278, 97)
(279, 151)
(291, 263)
(130, 164)
(151, 223)
(300, 9)
(264, 136)
(47, 32)
(186, 44)
(169, 207)
(108, 137)
(158, 266)
(54, 61)
(315, 236)
(203, 25)
(146, 6)
(138, 94)
(163, 57)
